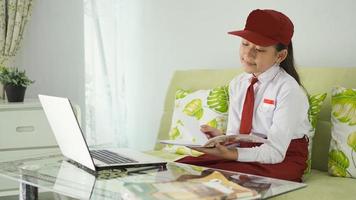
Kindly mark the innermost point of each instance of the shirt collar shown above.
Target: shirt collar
(269, 74)
(265, 76)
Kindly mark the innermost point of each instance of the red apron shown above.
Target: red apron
(291, 168)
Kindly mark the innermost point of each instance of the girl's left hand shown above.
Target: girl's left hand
(219, 151)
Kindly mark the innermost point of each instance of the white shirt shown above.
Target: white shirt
(280, 113)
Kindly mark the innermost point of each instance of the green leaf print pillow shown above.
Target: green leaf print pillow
(342, 153)
(315, 103)
(193, 109)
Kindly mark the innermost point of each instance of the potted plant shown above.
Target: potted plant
(15, 83)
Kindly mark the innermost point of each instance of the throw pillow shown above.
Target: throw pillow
(342, 153)
(315, 103)
(193, 109)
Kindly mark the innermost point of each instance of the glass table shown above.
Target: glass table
(52, 172)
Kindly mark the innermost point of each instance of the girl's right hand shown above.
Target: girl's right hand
(209, 131)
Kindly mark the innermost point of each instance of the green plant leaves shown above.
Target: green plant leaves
(338, 163)
(344, 106)
(194, 109)
(218, 99)
(13, 76)
(315, 102)
(351, 141)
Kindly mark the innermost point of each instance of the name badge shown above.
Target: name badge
(268, 101)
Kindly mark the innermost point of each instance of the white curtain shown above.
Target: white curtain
(105, 83)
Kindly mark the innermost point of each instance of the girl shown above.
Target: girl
(267, 100)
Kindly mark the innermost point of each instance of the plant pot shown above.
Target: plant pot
(15, 93)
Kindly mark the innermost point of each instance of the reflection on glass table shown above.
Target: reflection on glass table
(54, 173)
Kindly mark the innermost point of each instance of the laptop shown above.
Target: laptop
(72, 144)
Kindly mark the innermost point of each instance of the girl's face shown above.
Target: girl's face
(257, 59)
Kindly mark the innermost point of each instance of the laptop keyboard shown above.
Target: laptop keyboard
(110, 157)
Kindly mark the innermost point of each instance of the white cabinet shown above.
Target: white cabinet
(24, 129)
(24, 125)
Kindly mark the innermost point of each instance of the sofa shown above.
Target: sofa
(320, 185)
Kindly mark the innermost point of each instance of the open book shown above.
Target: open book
(222, 139)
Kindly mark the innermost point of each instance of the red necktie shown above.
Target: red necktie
(247, 111)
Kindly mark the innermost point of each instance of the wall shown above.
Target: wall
(52, 51)
(171, 35)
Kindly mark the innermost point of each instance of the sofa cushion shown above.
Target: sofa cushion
(315, 103)
(322, 186)
(193, 109)
(342, 153)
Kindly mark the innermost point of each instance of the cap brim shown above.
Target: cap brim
(254, 38)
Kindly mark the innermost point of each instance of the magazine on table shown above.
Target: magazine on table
(226, 140)
(212, 186)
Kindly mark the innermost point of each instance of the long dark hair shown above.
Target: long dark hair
(288, 63)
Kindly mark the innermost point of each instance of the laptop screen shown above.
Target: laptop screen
(66, 129)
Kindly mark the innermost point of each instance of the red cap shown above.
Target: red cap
(266, 28)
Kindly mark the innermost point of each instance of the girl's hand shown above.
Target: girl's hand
(225, 140)
(219, 151)
(209, 131)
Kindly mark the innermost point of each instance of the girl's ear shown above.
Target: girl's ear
(281, 56)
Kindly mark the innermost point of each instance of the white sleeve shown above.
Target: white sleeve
(291, 108)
